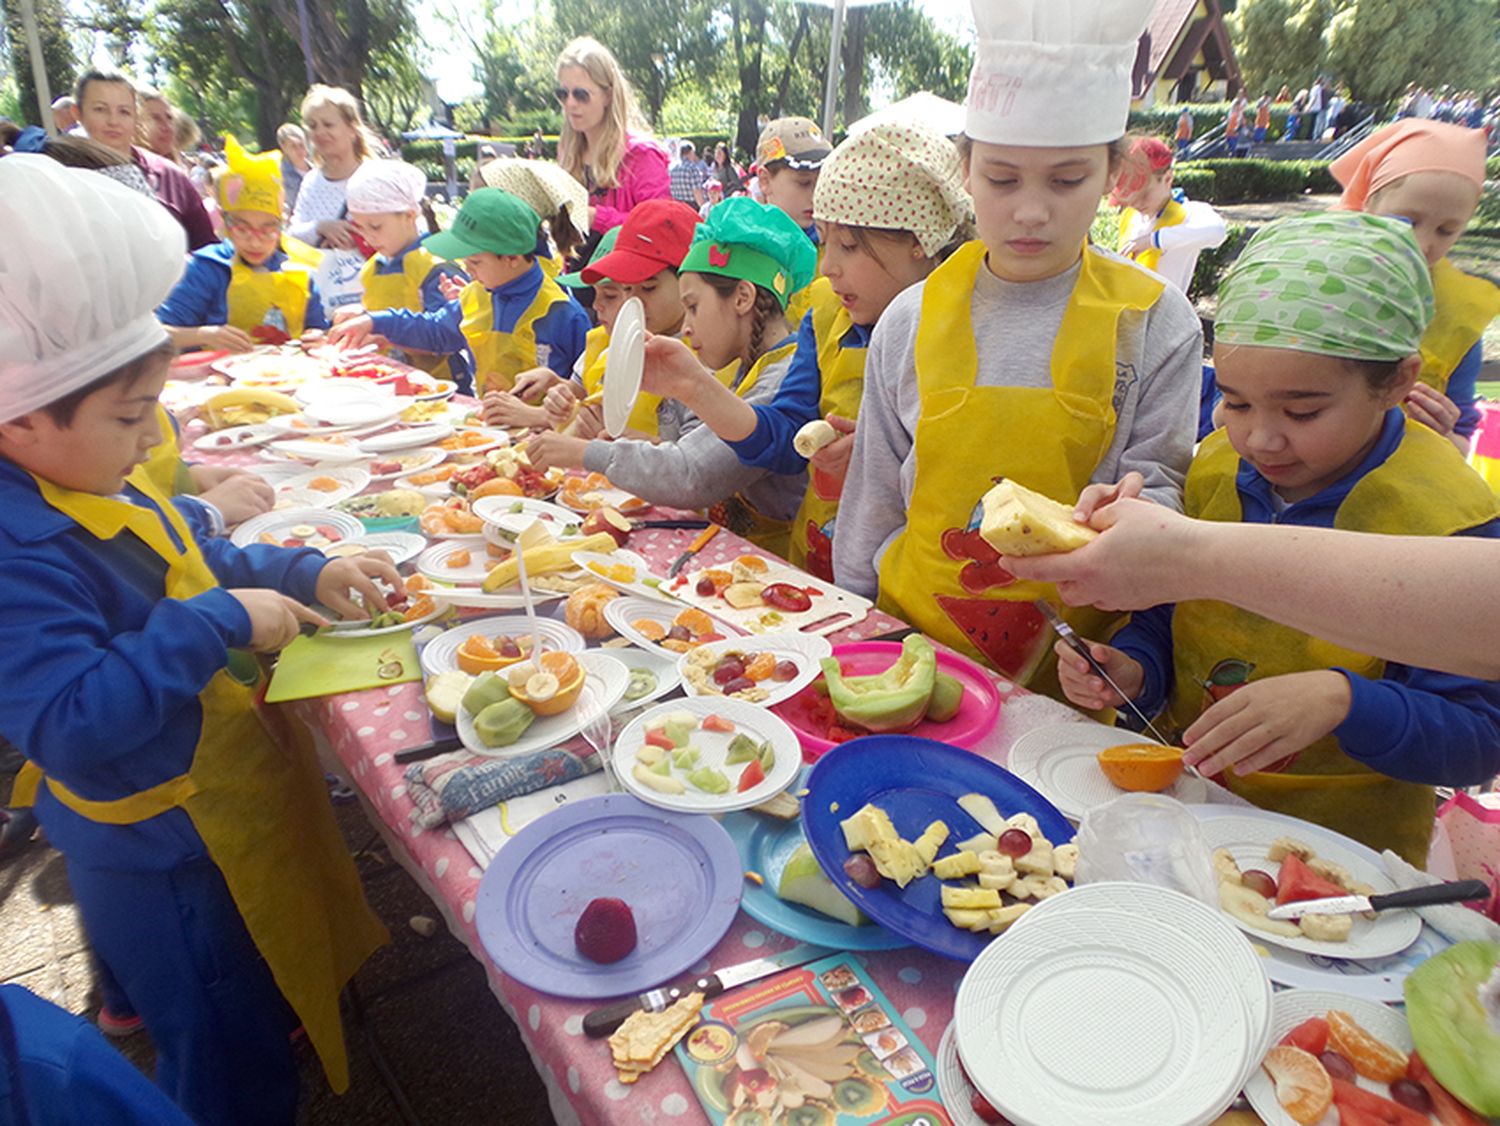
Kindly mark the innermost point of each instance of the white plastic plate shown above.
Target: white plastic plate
(803, 650)
(606, 681)
(1061, 760)
(441, 653)
(623, 365)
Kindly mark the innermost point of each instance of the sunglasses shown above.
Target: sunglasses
(579, 94)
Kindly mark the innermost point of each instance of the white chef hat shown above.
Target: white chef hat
(83, 263)
(1053, 73)
(380, 186)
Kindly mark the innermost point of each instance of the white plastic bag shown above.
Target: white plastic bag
(1146, 839)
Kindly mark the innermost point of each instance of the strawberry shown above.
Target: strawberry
(606, 930)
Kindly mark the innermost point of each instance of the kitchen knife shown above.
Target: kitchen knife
(1079, 646)
(637, 525)
(429, 750)
(700, 541)
(603, 1021)
(1459, 891)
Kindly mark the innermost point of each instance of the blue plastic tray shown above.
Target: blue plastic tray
(916, 781)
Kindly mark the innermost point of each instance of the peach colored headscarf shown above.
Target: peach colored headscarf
(1411, 145)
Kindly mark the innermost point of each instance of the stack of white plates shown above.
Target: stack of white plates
(1116, 1005)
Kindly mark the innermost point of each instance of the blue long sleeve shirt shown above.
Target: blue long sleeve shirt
(100, 674)
(201, 296)
(1413, 724)
(561, 329)
(431, 291)
(1464, 393)
(797, 402)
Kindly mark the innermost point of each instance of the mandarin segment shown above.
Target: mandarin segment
(1303, 1088)
(1372, 1057)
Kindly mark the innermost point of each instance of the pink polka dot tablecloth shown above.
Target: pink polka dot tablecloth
(362, 731)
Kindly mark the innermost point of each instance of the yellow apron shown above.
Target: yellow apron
(404, 291)
(1423, 488)
(1172, 215)
(736, 513)
(1465, 307)
(261, 809)
(164, 464)
(301, 253)
(842, 374)
(501, 356)
(254, 293)
(938, 574)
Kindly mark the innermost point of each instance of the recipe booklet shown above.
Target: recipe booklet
(818, 1045)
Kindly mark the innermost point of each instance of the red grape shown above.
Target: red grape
(679, 633)
(1337, 1066)
(1262, 883)
(730, 668)
(508, 648)
(784, 670)
(705, 587)
(861, 869)
(1412, 1095)
(1014, 842)
(738, 684)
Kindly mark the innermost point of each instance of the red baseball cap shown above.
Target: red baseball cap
(654, 237)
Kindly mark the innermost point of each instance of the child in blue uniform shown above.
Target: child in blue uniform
(205, 861)
(512, 317)
(255, 287)
(1316, 347)
(385, 200)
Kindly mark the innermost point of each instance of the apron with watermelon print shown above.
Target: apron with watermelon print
(939, 574)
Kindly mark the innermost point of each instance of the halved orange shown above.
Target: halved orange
(1303, 1087)
(569, 677)
(1141, 766)
(1372, 1057)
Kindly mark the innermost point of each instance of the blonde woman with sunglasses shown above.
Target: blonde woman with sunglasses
(605, 143)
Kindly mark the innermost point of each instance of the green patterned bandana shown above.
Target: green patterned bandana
(1341, 283)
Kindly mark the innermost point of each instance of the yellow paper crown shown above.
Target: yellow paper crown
(250, 182)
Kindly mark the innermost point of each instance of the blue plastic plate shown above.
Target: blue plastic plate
(916, 781)
(766, 844)
(679, 873)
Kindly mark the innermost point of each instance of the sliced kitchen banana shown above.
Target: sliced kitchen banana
(1250, 908)
(813, 437)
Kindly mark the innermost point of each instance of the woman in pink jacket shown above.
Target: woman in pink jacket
(605, 143)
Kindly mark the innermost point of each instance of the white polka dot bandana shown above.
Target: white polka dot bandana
(897, 176)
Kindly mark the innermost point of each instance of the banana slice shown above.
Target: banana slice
(1225, 867)
(1326, 928)
(1250, 908)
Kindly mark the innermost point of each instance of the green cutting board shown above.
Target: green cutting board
(325, 666)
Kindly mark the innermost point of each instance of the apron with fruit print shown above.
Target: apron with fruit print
(1464, 308)
(404, 291)
(1423, 488)
(738, 514)
(939, 574)
(842, 371)
(1172, 215)
(260, 807)
(269, 297)
(501, 356)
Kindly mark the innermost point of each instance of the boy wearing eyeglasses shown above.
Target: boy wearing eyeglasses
(257, 286)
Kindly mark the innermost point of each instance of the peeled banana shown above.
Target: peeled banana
(246, 406)
(1018, 521)
(813, 437)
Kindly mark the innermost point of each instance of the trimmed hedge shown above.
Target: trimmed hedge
(1162, 120)
(1213, 264)
(1246, 179)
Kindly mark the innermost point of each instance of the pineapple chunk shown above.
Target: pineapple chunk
(983, 842)
(1001, 918)
(1018, 521)
(981, 809)
(1037, 862)
(955, 867)
(897, 860)
(965, 919)
(869, 825)
(978, 899)
(930, 841)
(1065, 860)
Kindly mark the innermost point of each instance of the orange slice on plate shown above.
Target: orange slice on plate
(1141, 766)
(1303, 1087)
(1372, 1057)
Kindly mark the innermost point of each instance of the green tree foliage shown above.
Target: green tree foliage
(1279, 42)
(57, 53)
(1378, 46)
(913, 53)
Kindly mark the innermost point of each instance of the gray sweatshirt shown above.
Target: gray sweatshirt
(692, 467)
(1159, 357)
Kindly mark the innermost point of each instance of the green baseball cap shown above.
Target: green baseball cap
(489, 222)
(606, 244)
(753, 242)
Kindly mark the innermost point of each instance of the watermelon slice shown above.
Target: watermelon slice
(1297, 882)
(1010, 636)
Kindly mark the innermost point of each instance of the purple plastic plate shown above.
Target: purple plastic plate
(680, 874)
(976, 716)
